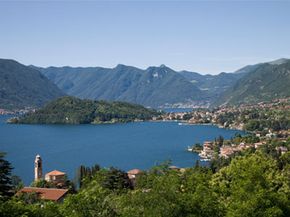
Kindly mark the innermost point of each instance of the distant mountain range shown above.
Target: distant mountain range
(22, 86)
(153, 87)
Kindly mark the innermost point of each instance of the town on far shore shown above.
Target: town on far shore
(262, 123)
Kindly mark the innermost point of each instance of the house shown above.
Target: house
(226, 151)
(132, 174)
(172, 167)
(207, 151)
(258, 144)
(52, 194)
(282, 149)
(56, 177)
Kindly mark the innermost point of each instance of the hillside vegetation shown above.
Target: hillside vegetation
(154, 87)
(254, 184)
(71, 110)
(266, 82)
(22, 86)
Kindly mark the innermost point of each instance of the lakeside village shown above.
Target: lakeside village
(55, 186)
(16, 111)
(264, 123)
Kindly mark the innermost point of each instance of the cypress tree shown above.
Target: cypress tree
(5, 177)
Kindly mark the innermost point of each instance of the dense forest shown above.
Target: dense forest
(256, 183)
(71, 110)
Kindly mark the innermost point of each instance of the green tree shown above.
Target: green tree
(93, 200)
(251, 186)
(5, 177)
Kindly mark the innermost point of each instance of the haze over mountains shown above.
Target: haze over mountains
(156, 87)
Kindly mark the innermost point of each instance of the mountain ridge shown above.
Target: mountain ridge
(154, 86)
(265, 83)
(22, 86)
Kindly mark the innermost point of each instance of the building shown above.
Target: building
(56, 177)
(132, 174)
(226, 151)
(207, 151)
(37, 168)
(172, 167)
(258, 145)
(282, 149)
(52, 194)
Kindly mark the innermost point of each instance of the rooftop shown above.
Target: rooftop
(55, 173)
(134, 172)
(53, 194)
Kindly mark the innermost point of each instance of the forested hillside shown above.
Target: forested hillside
(155, 86)
(71, 110)
(266, 82)
(22, 86)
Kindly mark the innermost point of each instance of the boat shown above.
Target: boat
(189, 148)
(205, 159)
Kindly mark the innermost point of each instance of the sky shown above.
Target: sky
(201, 36)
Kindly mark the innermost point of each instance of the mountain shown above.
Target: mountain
(71, 110)
(154, 87)
(212, 86)
(265, 82)
(22, 86)
(247, 69)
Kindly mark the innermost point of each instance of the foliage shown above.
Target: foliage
(264, 83)
(253, 184)
(275, 118)
(154, 87)
(5, 177)
(71, 110)
(22, 86)
(42, 184)
(85, 173)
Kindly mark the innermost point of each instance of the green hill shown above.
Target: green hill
(266, 82)
(154, 87)
(71, 110)
(22, 86)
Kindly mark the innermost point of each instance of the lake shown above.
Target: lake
(125, 146)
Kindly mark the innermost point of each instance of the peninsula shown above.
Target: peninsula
(72, 110)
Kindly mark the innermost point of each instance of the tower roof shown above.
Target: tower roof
(55, 173)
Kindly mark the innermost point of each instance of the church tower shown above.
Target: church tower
(37, 168)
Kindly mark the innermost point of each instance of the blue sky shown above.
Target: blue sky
(202, 36)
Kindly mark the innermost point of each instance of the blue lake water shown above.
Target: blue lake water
(125, 146)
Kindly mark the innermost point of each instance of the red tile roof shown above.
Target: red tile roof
(54, 194)
(55, 173)
(134, 172)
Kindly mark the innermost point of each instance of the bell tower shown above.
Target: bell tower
(37, 168)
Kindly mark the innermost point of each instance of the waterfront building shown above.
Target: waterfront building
(56, 177)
